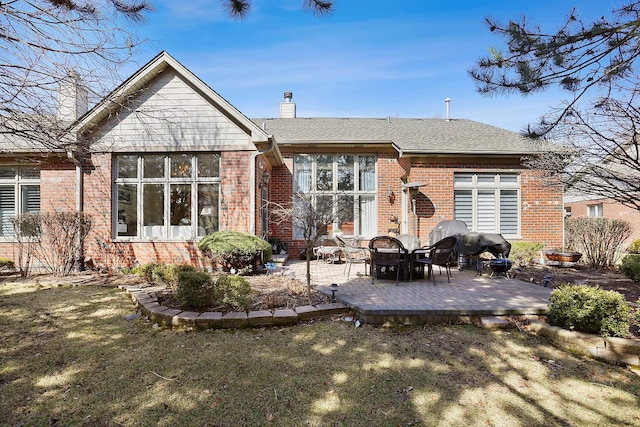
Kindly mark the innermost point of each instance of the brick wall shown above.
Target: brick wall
(541, 210)
(101, 248)
(610, 209)
(58, 187)
(541, 206)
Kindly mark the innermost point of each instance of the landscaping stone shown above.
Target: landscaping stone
(495, 323)
(185, 318)
(209, 319)
(260, 318)
(306, 312)
(150, 304)
(619, 351)
(153, 312)
(144, 300)
(235, 319)
(285, 317)
(166, 316)
(623, 345)
(331, 308)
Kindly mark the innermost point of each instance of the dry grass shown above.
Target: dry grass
(69, 357)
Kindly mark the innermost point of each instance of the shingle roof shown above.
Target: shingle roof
(409, 136)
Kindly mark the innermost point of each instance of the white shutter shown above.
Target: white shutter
(30, 198)
(509, 212)
(7, 209)
(486, 211)
(463, 206)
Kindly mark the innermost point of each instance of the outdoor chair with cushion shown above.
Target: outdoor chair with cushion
(441, 253)
(390, 255)
(353, 254)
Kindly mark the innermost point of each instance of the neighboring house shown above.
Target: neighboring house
(164, 160)
(593, 207)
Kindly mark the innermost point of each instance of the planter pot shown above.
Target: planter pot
(559, 256)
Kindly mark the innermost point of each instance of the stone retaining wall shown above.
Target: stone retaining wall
(145, 299)
(618, 351)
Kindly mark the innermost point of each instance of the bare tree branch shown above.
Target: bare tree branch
(43, 41)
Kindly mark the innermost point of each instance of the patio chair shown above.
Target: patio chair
(353, 254)
(390, 254)
(441, 253)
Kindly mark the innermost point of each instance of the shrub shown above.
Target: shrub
(525, 253)
(149, 272)
(6, 263)
(162, 274)
(630, 267)
(234, 292)
(589, 309)
(634, 247)
(232, 249)
(171, 273)
(598, 239)
(195, 290)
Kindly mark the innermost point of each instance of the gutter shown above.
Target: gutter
(252, 184)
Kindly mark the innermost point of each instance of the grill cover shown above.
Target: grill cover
(448, 228)
(474, 243)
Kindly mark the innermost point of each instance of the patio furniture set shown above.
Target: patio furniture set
(403, 257)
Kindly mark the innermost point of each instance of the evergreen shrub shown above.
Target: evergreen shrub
(630, 267)
(234, 292)
(195, 290)
(589, 309)
(634, 247)
(6, 263)
(525, 253)
(232, 249)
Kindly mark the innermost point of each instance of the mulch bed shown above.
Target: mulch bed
(578, 274)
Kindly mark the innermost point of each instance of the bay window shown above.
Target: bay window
(19, 194)
(174, 196)
(488, 202)
(347, 182)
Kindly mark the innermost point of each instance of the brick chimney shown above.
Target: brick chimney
(73, 98)
(288, 108)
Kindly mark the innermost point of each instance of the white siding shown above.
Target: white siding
(170, 115)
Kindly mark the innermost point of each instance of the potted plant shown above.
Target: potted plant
(277, 245)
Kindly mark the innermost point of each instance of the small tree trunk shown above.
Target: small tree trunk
(309, 252)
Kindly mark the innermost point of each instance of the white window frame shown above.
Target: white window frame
(489, 185)
(18, 182)
(595, 210)
(166, 231)
(310, 187)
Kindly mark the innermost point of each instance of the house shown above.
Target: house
(164, 159)
(585, 206)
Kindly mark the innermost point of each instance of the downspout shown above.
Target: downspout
(79, 205)
(252, 185)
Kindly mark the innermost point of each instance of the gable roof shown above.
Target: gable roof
(146, 74)
(410, 137)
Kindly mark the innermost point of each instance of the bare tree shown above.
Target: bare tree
(595, 64)
(46, 41)
(310, 217)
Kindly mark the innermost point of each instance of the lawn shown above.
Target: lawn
(70, 357)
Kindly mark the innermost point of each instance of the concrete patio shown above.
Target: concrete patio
(467, 298)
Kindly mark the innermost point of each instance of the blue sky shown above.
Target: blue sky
(398, 58)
